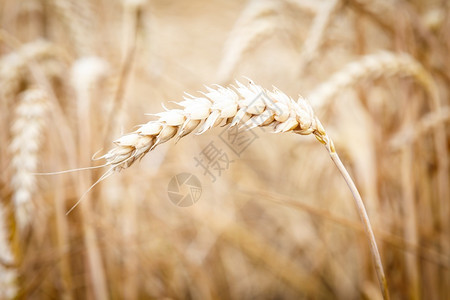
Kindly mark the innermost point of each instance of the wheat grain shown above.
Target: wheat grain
(26, 131)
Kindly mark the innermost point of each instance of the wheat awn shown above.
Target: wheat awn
(249, 106)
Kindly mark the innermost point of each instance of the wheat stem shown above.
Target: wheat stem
(316, 33)
(131, 29)
(85, 73)
(361, 211)
(250, 106)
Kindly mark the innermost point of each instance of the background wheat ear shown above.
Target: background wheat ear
(8, 273)
(249, 106)
(27, 132)
(14, 67)
(257, 21)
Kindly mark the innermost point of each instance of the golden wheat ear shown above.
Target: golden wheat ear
(249, 105)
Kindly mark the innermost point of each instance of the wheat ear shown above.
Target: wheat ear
(26, 131)
(249, 106)
(370, 66)
(256, 22)
(8, 274)
(77, 18)
(14, 66)
(428, 123)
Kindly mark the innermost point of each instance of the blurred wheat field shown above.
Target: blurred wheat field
(278, 222)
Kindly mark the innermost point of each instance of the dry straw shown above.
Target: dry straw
(248, 106)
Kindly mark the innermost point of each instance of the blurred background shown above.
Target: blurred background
(278, 221)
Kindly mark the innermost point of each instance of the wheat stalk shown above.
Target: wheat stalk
(314, 39)
(249, 106)
(131, 28)
(86, 73)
